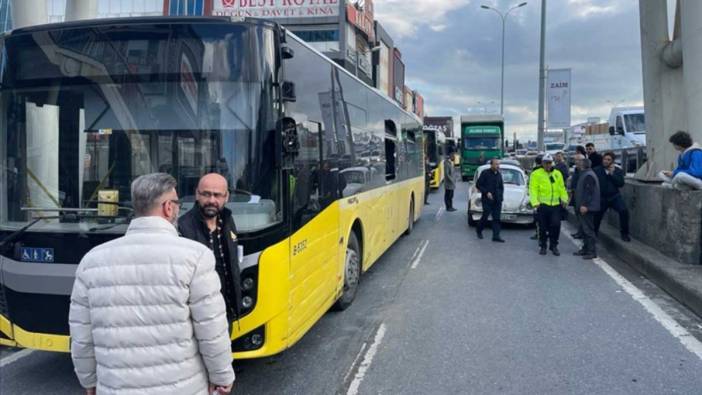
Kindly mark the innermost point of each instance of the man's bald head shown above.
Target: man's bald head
(213, 180)
(212, 193)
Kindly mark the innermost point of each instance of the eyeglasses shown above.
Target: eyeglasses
(208, 194)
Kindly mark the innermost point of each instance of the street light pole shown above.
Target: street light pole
(503, 17)
(542, 76)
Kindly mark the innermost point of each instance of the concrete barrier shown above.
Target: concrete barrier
(666, 220)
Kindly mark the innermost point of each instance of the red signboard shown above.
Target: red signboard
(273, 9)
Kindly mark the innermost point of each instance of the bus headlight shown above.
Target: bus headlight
(246, 302)
(247, 284)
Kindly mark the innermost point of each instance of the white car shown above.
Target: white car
(516, 208)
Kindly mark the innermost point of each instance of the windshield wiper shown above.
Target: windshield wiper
(19, 232)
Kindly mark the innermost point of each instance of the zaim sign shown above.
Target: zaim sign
(558, 98)
(272, 9)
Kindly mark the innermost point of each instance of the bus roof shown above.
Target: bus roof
(139, 20)
(482, 118)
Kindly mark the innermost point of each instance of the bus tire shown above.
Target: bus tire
(410, 219)
(352, 274)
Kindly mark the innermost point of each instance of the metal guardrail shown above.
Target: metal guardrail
(630, 159)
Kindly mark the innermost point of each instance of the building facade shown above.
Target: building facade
(343, 30)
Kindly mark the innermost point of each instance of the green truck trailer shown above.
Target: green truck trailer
(482, 138)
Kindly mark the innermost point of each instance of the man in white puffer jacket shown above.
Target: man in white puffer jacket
(147, 315)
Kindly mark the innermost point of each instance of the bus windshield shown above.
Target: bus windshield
(87, 110)
(481, 143)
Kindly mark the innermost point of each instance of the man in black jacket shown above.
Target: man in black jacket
(611, 179)
(587, 205)
(492, 190)
(210, 223)
(595, 158)
(572, 186)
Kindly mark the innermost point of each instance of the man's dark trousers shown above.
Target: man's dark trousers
(494, 209)
(448, 198)
(617, 204)
(587, 224)
(549, 225)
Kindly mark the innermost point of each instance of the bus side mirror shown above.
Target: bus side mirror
(290, 140)
(611, 130)
(287, 53)
(288, 92)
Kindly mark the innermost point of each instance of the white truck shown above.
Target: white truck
(626, 130)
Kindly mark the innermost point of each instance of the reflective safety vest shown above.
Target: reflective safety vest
(547, 188)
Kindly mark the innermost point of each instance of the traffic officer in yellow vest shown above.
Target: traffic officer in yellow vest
(547, 193)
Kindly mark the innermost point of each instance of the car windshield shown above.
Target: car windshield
(635, 123)
(87, 110)
(554, 147)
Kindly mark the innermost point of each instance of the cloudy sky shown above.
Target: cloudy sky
(452, 52)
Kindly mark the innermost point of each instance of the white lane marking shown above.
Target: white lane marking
(14, 357)
(439, 214)
(678, 331)
(416, 251)
(367, 361)
(355, 360)
(418, 259)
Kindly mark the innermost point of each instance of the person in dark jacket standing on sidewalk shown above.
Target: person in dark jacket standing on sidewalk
(492, 190)
(593, 155)
(611, 179)
(572, 185)
(449, 182)
(210, 223)
(587, 204)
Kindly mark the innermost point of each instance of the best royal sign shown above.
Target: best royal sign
(274, 9)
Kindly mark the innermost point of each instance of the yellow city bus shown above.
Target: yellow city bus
(325, 174)
(435, 150)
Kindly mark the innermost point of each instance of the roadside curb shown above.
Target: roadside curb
(683, 282)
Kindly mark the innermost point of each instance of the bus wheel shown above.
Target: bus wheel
(352, 274)
(410, 220)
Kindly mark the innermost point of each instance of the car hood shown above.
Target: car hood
(514, 196)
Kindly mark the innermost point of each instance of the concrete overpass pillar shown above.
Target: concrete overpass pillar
(691, 14)
(664, 89)
(81, 9)
(28, 13)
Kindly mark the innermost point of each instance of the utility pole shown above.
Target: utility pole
(542, 76)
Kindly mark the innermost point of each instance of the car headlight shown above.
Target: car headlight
(525, 206)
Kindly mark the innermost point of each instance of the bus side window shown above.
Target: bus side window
(390, 150)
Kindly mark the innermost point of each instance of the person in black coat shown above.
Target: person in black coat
(611, 179)
(587, 205)
(593, 155)
(210, 223)
(572, 185)
(492, 190)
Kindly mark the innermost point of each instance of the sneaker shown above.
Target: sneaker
(626, 238)
(480, 235)
(555, 251)
(498, 240)
(450, 209)
(580, 253)
(589, 257)
(577, 235)
(542, 251)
